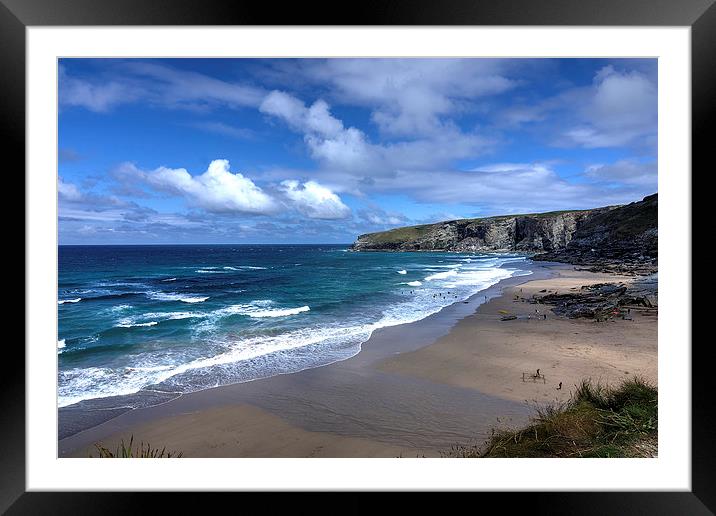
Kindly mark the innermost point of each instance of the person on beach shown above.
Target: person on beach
(560, 386)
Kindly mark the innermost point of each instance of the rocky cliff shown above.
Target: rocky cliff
(626, 233)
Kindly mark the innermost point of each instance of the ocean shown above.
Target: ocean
(176, 319)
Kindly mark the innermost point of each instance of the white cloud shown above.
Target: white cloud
(620, 110)
(316, 119)
(68, 191)
(409, 97)
(626, 172)
(327, 139)
(126, 82)
(348, 151)
(505, 188)
(381, 218)
(99, 97)
(173, 86)
(240, 133)
(315, 201)
(513, 167)
(217, 190)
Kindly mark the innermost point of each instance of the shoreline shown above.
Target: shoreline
(87, 414)
(362, 406)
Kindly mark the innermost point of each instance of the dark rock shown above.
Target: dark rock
(615, 239)
(601, 300)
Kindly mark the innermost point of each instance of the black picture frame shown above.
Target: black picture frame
(700, 15)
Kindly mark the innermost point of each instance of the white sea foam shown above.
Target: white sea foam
(60, 343)
(169, 279)
(173, 315)
(403, 272)
(93, 382)
(130, 324)
(98, 382)
(228, 268)
(63, 301)
(279, 312)
(479, 278)
(118, 308)
(258, 309)
(193, 299)
(414, 283)
(173, 296)
(441, 275)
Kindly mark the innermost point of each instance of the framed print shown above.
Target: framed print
(417, 253)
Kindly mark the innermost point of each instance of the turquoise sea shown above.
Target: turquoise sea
(185, 318)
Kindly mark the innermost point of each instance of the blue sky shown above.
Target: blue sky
(322, 150)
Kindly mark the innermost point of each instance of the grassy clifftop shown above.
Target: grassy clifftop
(407, 234)
(625, 233)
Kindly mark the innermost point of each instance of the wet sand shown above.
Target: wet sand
(414, 389)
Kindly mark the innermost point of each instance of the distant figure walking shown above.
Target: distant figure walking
(537, 375)
(560, 386)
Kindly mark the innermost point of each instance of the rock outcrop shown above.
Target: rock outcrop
(601, 237)
(603, 301)
(626, 235)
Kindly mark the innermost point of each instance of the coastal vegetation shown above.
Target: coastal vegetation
(127, 451)
(597, 421)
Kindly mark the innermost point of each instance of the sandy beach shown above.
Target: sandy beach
(487, 354)
(414, 390)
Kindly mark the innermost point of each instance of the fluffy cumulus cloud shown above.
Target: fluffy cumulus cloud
(315, 201)
(217, 190)
(326, 137)
(348, 150)
(220, 191)
(621, 109)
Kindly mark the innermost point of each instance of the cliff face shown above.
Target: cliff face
(627, 232)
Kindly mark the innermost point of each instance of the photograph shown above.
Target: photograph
(357, 257)
(407, 247)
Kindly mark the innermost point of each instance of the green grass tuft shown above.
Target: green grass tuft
(597, 421)
(128, 452)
